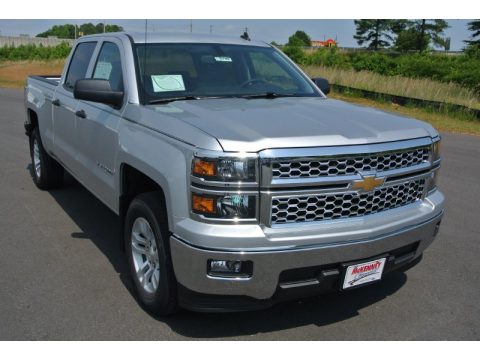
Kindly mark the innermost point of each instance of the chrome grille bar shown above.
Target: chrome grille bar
(350, 165)
(297, 209)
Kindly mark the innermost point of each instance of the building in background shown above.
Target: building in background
(326, 43)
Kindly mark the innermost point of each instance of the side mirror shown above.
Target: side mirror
(97, 90)
(322, 84)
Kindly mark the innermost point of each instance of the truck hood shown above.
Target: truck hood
(251, 125)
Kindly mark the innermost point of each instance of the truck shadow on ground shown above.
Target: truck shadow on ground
(101, 226)
(319, 311)
(98, 224)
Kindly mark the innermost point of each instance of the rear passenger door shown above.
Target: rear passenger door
(97, 130)
(64, 106)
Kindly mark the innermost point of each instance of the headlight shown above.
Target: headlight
(225, 188)
(224, 169)
(226, 206)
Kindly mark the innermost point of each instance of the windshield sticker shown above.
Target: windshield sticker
(163, 83)
(103, 70)
(223, 58)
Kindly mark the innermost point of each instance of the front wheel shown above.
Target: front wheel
(147, 247)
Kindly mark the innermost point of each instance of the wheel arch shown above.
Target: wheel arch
(32, 121)
(134, 182)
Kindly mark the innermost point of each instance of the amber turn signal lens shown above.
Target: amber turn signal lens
(202, 204)
(203, 168)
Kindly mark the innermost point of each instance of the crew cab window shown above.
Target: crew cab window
(109, 66)
(79, 63)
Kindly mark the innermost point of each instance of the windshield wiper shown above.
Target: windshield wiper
(267, 95)
(189, 97)
(169, 100)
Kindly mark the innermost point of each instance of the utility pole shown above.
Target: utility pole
(104, 26)
(211, 29)
(75, 31)
(191, 25)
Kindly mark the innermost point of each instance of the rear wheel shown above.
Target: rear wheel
(148, 252)
(46, 172)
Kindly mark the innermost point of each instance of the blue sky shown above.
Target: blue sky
(267, 30)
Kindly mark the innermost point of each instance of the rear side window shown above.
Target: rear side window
(109, 66)
(79, 64)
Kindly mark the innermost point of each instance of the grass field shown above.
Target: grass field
(455, 122)
(13, 75)
(397, 85)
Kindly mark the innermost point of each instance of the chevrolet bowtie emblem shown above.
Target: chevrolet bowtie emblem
(368, 183)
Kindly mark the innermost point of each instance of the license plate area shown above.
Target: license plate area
(363, 273)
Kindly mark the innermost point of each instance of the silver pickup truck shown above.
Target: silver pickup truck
(237, 182)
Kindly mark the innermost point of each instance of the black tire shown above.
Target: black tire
(150, 206)
(50, 174)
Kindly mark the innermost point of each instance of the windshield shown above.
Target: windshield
(216, 70)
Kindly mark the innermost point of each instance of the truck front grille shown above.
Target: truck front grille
(349, 165)
(305, 208)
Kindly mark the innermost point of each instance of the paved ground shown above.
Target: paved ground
(63, 277)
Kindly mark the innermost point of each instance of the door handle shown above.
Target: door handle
(81, 114)
(56, 102)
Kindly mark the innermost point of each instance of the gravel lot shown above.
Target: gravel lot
(64, 277)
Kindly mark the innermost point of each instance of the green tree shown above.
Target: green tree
(113, 28)
(431, 30)
(295, 53)
(399, 25)
(407, 40)
(376, 33)
(66, 31)
(474, 26)
(108, 28)
(87, 29)
(300, 38)
(419, 34)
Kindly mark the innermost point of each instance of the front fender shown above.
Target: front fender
(163, 159)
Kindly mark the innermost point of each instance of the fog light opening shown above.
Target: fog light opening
(230, 268)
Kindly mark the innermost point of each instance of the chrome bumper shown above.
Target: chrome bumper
(190, 262)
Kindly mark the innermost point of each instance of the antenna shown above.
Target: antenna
(245, 35)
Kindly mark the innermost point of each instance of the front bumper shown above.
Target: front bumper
(190, 262)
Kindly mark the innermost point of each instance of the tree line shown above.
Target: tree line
(70, 31)
(400, 35)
